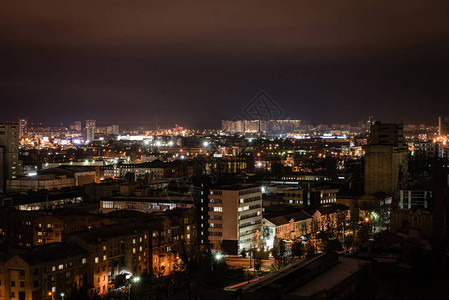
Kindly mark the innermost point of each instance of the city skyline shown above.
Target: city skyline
(224, 150)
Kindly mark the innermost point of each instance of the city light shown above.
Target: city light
(218, 256)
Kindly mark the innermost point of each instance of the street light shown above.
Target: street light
(62, 296)
(218, 256)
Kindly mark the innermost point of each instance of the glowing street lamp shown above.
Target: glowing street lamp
(134, 279)
(218, 256)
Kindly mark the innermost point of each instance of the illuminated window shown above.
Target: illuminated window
(108, 204)
(96, 260)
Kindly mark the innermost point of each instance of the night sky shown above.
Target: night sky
(196, 63)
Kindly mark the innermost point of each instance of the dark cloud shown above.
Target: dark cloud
(196, 63)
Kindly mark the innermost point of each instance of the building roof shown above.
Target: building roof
(76, 169)
(39, 197)
(235, 187)
(284, 219)
(98, 235)
(42, 177)
(328, 209)
(330, 278)
(51, 252)
(158, 199)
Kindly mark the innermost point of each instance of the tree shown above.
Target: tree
(243, 253)
(279, 253)
(297, 249)
(332, 245)
(362, 235)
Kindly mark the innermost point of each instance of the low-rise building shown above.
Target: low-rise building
(310, 196)
(39, 182)
(114, 251)
(50, 272)
(46, 200)
(145, 204)
(406, 219)
(28, 229)
(412, 199)
(294, 226)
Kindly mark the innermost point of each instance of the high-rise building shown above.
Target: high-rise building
(90, 130)
(23, 127)
(386, 134)
(235, 216)
(10, 166)
(443, 125)
(386, 160)
(268, 126)
(112, 130)
(76, 126)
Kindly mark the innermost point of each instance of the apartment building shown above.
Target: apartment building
(114, 250)
(235, 215)
(54, 271)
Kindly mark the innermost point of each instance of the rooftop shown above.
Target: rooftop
(284, 219)
(104, 233)
(51, 252)
(165, 199)
(331, 278)
(236, 187)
